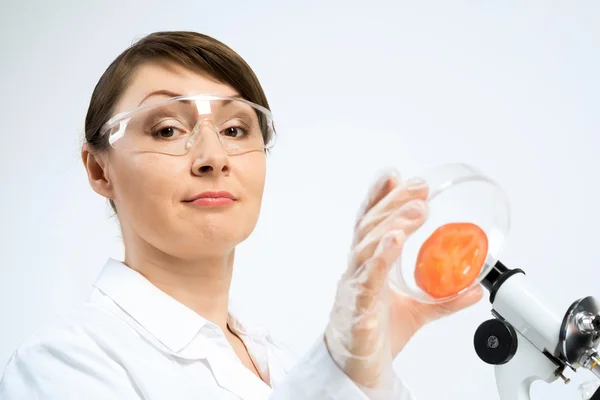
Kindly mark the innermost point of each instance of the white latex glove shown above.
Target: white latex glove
(370, 323)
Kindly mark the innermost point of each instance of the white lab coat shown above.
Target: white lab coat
(132, 341)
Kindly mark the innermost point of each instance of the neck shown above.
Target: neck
(201, 284)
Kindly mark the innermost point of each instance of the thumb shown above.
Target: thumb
(432, 312)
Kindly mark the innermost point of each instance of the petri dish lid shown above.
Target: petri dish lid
(458, 193)
(589, 388)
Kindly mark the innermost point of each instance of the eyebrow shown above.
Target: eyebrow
(159, 92)
(169, 93)
(228, 101)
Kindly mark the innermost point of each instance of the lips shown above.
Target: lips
(220, 198)
(213, 195)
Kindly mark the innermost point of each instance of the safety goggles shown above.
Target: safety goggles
(175, 125)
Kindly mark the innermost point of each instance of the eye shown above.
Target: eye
(234, 132)
(167, 132)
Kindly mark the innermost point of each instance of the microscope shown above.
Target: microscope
(526, 340)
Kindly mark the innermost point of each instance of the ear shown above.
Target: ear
(96, 168)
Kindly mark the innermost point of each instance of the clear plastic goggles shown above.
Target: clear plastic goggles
(175, 125)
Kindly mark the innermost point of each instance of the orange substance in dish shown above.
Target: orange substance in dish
(451, 259)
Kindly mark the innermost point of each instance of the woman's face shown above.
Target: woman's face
(152, 191)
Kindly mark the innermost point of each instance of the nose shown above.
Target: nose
(210, 159)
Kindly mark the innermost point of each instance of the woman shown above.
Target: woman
(177, 132)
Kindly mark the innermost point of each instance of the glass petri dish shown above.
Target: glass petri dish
(458, 193)
(588, 389)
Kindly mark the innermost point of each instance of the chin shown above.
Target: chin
(225, 226)
(213, 232)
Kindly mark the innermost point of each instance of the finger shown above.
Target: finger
(430, 312)
(378, 266)
(465, 300)
(408, 189)
(407, 218)
(387, 181)
(371, 277)
(413, 189)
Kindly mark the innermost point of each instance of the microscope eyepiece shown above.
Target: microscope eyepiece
(492, 277)
(496, 277)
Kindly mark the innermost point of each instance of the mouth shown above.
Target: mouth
(212, 199)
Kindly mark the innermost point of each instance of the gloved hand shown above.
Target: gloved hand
(370, 323)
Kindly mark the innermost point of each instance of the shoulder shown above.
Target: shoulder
(82, 328)
(65, 357)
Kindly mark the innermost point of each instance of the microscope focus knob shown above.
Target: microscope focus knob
(495, 342)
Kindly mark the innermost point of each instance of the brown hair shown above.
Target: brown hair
(192, 50)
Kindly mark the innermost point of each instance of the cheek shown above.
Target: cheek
(251, 176)
(252, 172)
(146, 183)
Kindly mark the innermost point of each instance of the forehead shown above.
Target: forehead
(151, 77)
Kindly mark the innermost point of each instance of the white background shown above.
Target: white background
(511, 87)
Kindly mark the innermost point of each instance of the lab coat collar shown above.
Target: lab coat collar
(238, 323)
(167, 320)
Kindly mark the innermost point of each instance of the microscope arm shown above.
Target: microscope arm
(514, 379)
